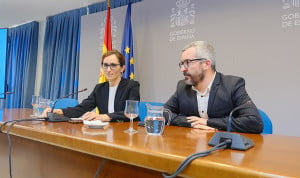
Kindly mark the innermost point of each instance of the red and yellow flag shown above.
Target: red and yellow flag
(107, 42)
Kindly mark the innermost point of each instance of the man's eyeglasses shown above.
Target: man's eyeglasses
(112, 66)
(187, 62)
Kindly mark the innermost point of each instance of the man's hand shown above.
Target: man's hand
(199, 123)
(196, 120)
(94, 116)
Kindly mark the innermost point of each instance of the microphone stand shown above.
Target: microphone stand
(6, 93)
(53, 117)
(238, 142)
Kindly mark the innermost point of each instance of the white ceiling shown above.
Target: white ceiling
(15, 12)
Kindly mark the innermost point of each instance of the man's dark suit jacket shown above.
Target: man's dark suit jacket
(127, 90)
(227, 92)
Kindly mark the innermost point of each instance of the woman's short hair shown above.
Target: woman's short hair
(117, 53)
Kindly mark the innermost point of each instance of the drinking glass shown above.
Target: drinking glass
(131, 111)
(35, 103)
(43, 104)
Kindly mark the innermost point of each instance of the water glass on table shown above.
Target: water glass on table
(131, 111)
(35, 103)
(43, 104)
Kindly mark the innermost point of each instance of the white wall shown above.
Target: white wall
(42, 26)
(249, 38)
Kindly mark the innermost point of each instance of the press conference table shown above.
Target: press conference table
(52, 150)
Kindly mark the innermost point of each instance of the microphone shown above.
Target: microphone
(238, 142)
(53, 117)
(66, 97)
(233, 111)
(7, 93)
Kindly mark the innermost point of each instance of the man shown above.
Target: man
(205, 98)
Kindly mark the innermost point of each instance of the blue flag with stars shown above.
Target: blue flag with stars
(127, 46)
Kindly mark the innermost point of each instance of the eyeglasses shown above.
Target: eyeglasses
(112, 66)
(187, 62)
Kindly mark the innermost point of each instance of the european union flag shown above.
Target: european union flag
(127, 45)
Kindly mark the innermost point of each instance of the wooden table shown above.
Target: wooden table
(44, 149)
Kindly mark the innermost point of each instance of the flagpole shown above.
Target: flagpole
(108, 3)
(107, 44)
(107, 41)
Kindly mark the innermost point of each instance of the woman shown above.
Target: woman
(109, 97)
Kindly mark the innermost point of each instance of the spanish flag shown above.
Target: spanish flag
(107, 42)
(127, 45)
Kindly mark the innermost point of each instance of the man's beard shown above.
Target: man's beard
(193, 80)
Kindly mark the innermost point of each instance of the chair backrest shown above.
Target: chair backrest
(66, 102)
(268, 126)
(143, 108)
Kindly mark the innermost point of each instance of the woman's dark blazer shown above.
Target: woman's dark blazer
(127, 90)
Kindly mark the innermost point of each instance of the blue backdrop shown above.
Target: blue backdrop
(3, 40)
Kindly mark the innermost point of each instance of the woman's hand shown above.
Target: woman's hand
(94, 116)
(56, 111)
